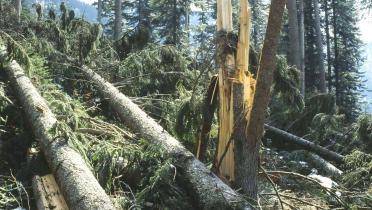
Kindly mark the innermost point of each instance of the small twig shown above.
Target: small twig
(308, 179)
(294, 198)
(274, 186)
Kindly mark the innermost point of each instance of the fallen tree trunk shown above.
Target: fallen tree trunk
(327, 167)
(77, 183)
(285, 137)
(205, 187)
(46, 193)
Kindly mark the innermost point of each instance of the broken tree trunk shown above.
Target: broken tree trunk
(206, 188)
(226, 68)
(78, 184)
(236, 88)
(209, 108)
(285, 137)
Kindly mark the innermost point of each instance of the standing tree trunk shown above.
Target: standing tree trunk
(118, 20)
(242, 98)
(18, 10)
(328, 36)
(256, 117)
(302, 46)
(99, 11)
(294, 42)
(335, 61)
(225, 63)
(319, 43)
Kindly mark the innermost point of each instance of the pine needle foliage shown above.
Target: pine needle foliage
(327, 129)
(364, 132)
(15, 51)
(134, 174)
(359, 170)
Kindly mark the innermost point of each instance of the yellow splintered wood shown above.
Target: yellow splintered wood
(224, 23)
(240, 74)
(47, 193)
(242, 57)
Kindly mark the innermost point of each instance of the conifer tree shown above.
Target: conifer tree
(170, 20)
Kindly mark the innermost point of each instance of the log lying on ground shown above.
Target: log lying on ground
(327, 167)
(46, 193)
(78, 184)
(208, 190)
(285, 137)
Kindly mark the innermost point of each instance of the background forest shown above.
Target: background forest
(162, 55)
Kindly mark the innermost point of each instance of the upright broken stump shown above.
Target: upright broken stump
(236, 87)
(205, 187)
(78, 184)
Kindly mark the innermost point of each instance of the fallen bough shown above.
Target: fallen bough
(78, 184)
(208, 190)
(285, 137)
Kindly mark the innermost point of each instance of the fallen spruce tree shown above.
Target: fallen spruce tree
(206, 188)
(284, 137)
(77, 183)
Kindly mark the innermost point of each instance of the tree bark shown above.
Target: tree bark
(283, 137)
(47, 193)
(118, 20)
(209, 108)
(335, 61)
(329, 66)
(201, 183)
(294, 42)
(327, 167)
(78, 184)
(319, 43)
(99, 11)
(256, 117)
(18, 10)
(302, 46)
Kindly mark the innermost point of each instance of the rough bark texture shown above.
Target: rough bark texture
(118, 20)
(79, 186)
(261, 99)
(319, 43)
(285, 137)
(208, 190)
(243, 88)
(242, 160)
